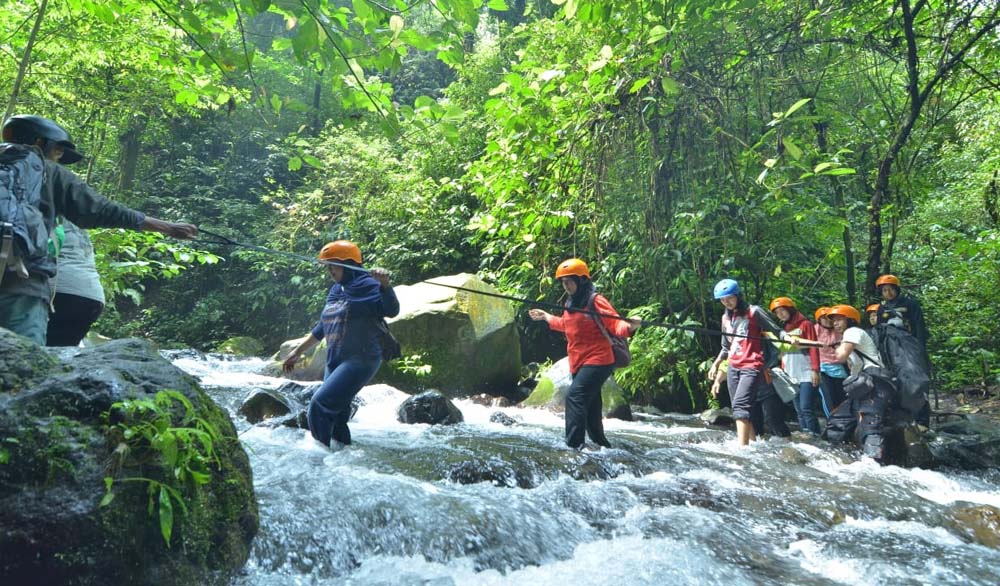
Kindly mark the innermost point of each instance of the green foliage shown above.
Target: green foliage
(126, 258)
(165, 434)
(665, 365)
(413, 365)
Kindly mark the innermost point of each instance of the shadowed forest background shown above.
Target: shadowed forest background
(801, 147)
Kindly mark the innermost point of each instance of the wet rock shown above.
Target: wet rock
(720, 417)
(429, 407)
(790, 455)
(503, 419)
(245, 346)
(554, 383)
(648, 410)
(970, 444)
(285, 406)
(978, 524)
(54, 409)
(494, 471)
(622, 411)
(264, 404)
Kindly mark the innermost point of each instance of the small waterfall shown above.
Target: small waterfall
(671, 503)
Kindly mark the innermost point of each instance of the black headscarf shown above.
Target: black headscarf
(349, 274)
(584, 289)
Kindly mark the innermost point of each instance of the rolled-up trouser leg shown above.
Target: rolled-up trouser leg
(330, 407)
(743, 383)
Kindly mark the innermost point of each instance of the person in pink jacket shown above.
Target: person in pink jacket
(832, 371)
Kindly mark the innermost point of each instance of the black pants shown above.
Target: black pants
(584, 407)
(832, 392)
(770, 410)
(863, 417)
(72, 319)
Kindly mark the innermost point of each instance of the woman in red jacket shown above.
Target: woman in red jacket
(801, 364)
(591, 360)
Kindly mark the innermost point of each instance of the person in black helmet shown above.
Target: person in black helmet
(26, 291)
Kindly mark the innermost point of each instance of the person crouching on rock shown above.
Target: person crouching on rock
(591, 360)
(869, 388)
(355, 306)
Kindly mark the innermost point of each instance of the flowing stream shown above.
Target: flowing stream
(671, 503)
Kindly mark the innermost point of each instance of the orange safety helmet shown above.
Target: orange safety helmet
(340, 250)
(822, 312)
(887, 280)
(872, 307)
(782, 302)
(845, 311)
(572, 266)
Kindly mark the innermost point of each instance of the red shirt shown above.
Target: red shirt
(585, 343)
(803, 328)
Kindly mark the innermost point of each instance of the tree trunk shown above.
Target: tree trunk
(130, 143)
(25, 60)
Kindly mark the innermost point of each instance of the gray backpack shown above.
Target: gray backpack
(24, 234)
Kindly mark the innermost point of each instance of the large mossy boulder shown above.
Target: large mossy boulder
(243, 346)
(554, 382)
(310, 367)
(469, 341)
(56, 449)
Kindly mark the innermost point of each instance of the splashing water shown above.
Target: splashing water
(481, 503)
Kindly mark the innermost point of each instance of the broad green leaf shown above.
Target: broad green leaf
(294, 164)
(839, 171)
(166, 515)
(656, 34)
(639, 84)
(670, 86)
(313, 161)
(796, 106)
(498, 5)
(791, 148)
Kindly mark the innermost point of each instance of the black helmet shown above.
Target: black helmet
(26, 129)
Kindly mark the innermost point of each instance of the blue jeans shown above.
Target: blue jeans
(330, 407)
(25, 315)
(805, 406)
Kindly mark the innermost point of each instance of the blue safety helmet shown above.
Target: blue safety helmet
(726, 287)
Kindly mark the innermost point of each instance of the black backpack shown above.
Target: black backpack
(24, 234)
(904, 356)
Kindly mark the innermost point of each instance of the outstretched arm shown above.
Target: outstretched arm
(304, 346)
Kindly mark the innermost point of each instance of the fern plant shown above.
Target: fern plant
(144, 432)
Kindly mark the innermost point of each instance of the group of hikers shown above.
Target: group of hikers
(854, 372)
(833, 366)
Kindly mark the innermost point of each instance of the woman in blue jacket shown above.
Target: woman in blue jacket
(355, 306)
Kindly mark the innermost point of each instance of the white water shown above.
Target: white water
(670, 504)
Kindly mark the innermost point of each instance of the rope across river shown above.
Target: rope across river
(219, 239)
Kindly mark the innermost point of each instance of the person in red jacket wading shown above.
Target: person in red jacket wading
(591, 360)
